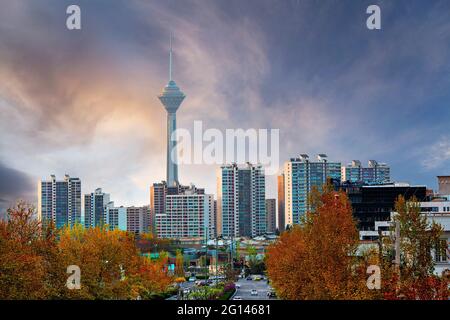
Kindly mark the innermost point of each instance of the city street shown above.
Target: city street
(247, 285)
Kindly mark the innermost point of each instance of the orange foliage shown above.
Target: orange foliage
(34, 260)
(315, 260)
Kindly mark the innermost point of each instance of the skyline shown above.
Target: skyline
(90, 108)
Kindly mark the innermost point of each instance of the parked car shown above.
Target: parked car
(271, 294)
(200, 283)
(186, 291)
(254, 292)
(192, 279)
(237, 298)
(249, 278)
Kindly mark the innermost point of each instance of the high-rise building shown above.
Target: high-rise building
(241, 207)
(215, 219)
(148, 220)
(95, 205)
(171, 97)
(271, 215)
(301, 176)
(374, 173)
(281, 224)
(59, 201)
(188, 216)
(132, 219)
(116, 218)
(136, 219)
(158, 192)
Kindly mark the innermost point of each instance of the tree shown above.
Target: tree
(106, 259)
(179, 264)
(152, 277)
(416, 279)
(317, 258)
(22, 269)
(34, 260)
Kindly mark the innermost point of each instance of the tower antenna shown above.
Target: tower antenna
(170, 58)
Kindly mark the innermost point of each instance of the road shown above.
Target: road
(244, 291)
(247, 285)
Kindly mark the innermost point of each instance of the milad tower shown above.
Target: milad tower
(171, 97)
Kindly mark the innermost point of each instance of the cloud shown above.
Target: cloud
(438, 154)
(14, 185)
(84, 103)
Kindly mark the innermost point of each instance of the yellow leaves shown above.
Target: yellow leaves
(33, 264)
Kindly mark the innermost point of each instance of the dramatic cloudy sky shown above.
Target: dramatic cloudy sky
(85, 102)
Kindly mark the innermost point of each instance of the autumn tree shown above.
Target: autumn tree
(152, 277)
(34, 261)
(22, 269)
(106, 259)
(317, 258)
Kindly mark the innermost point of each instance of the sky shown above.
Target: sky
(84, 102)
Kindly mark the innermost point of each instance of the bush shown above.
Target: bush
(227, 294)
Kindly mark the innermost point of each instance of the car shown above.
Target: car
(249, 278)
(237, 286)
(254, 292)
(271, 294)
(186, 291)
(192, 279)
(200, 283)
(237, 298)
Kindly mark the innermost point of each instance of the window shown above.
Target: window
(441, 251)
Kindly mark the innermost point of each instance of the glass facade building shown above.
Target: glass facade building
(300, 177)
(59, 201)
(372, 204)
(374, 173)
(116, 218)
(95, 205)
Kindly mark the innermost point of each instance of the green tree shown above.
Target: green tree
(179, 264)
(414, 279)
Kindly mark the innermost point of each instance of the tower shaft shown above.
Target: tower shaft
(171, 164)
